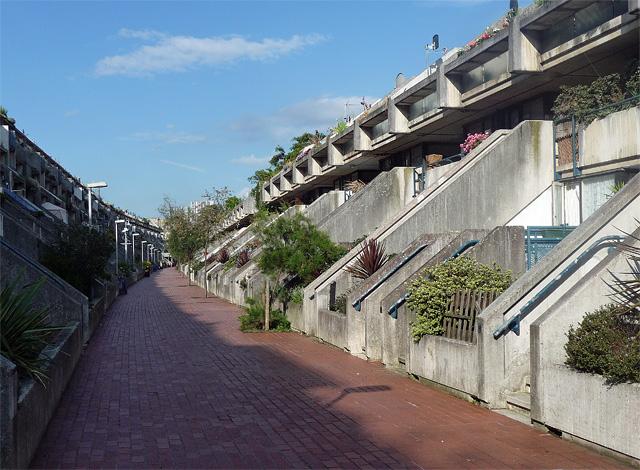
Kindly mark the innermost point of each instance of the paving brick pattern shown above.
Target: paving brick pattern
(168, 381)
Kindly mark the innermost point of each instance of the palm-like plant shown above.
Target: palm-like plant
(371, 258)
(24, 329)
(625, 287)
(243, 258)
(223, 256)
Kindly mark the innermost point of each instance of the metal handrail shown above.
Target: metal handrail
(393, 310)
(357, 304)
(513, 324)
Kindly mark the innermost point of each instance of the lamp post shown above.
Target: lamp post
(119, 221)
(126, 245)
(90, 186)
(142, 251)
(133, 247)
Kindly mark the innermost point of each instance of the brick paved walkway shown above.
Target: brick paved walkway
(168, 381)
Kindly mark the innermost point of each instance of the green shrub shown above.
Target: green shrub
(80, 256)
(24, 329)
(429, 296)
(253, 319)
(296, 295)
(125, 269)
(606, 342)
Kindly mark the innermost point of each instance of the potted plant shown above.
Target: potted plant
(147, 268)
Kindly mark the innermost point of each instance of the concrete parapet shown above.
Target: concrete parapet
(27, 406)
(504, 363)
(601, 414)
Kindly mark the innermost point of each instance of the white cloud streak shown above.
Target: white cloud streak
(250, 160)
(319, 113)
(182, 53)
(169, 137)
(182, 165)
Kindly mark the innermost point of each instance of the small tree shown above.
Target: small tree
(293, 247)
(184, 238)
(211, 218)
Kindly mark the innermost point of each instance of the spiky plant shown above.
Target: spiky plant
(24, 329)
(625, 287)
(371, 258)
(223, 256)
(243, 258)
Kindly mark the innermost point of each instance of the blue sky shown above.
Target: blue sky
(177, 97)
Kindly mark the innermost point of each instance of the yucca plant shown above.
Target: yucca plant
(24, 329)
(371, 258)
(223, 256)
(625, 287)
(243, 258)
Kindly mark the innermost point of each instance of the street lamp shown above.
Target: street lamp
(90, 186)
(119, 221)
(133, 247)
(142, 251)
(126, 245)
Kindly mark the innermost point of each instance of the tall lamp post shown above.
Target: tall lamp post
(126, 245)
(142, 251)
(119, 221)
(90, 186)
(133, 247)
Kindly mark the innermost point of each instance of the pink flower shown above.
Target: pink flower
(472, 43)
(485, 36)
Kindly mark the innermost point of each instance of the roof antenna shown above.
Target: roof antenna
(434, 46)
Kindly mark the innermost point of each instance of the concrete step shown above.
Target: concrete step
(515, 415)
(519, 401)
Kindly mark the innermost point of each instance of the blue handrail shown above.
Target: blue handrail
(357, 304)
(393, 310)
(513, 324)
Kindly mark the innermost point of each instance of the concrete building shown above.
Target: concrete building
(428, 202)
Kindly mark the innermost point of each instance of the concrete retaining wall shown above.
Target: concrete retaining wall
(370, 207)
(504, 364)
(332, 327)
(27, 406)
(607, 416)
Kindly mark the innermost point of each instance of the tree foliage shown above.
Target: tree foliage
(294, 247)
(598, 99)
(80, 256)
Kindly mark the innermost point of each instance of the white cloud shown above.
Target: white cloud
(71, 113)
(250, 160)
(319, 113)
(168, 137)
(145, 34)
(182, 165)
(180, 53)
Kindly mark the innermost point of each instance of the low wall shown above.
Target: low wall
(601, 414)
(294, 315)
(606, 141)
(28, 406)
(332, 327)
